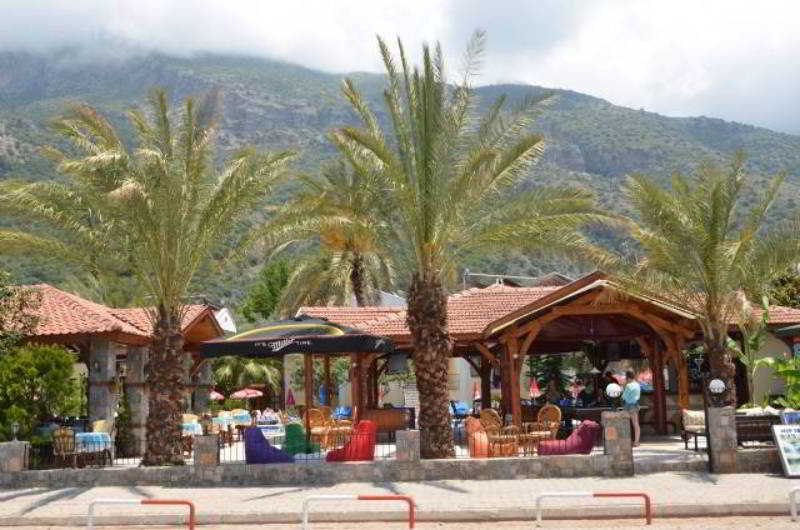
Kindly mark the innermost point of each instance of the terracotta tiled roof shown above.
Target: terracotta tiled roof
(779, 314)
(468, 312)
(63, 313)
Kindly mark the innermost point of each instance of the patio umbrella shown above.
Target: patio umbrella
(302, 334)
(247, 393)
(290, 399)
(215, 396)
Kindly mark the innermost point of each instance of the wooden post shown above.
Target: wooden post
(659, 392)
(682, 367)
(486, 383)
(512, 351)
(308, 372)
(355, 385)
(326, 362)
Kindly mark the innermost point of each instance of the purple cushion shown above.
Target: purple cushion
(580, 441)
(257, 450)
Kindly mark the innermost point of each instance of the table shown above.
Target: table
(191, 429)
(92, 442)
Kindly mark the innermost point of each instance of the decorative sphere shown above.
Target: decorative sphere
(716, 386)
(613, 390)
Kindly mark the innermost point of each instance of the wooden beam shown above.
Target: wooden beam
(487, 354)
(308, 374)
(486, 383)
(472, 363)
(526, 344)
(540, 322)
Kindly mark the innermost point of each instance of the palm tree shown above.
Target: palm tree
(703, 249)
(447, 187)
(164, 203)
(336, 217)
(233, 373)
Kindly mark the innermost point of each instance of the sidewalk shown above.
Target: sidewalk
(673, 494)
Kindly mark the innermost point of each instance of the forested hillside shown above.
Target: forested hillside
(275, 105)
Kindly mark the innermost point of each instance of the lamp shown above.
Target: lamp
(614, 391)
(14, 429)
(716, 387)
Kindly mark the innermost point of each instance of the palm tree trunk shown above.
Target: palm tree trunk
(357, 280)
(720, 360)
(427, 321)
(165, 379)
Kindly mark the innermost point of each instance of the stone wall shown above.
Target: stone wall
(13, 456)
(316, 473)
(761, 460)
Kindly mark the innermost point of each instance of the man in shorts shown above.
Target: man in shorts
(630, 402)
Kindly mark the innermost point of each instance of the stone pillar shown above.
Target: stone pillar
(186, 380)
(206, 450)
(617, 440)
(202, 387)
(407, 445)
(12, 456)
(102, 370)
(722, 439)
(138, 397)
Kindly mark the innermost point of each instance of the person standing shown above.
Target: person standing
(630, 402)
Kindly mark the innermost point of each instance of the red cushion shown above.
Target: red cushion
(361, 445)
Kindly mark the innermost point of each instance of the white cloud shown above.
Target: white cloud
(725, 58)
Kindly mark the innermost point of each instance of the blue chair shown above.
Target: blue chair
(343, 413)
(257, 450)
(460, 409)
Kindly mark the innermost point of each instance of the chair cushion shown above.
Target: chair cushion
(360, 447)
(695, 429)
(693, 418)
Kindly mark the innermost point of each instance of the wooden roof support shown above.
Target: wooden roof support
(486, 353)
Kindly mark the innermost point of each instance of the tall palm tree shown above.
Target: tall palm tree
(166, 203)
(337, 218)
(448, 188)
(704, 249)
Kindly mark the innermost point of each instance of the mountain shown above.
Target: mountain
(270, 104)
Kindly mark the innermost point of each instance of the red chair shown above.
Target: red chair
(580, 441)
(360, 447)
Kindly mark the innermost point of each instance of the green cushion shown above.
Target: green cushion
(296, 442)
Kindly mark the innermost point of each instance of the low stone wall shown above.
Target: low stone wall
(762, 460)
(318, 473)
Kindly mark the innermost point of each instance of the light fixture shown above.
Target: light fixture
(613, 390)
(14, 429)
(716, 386)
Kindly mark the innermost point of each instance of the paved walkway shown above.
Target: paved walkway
(673, 494)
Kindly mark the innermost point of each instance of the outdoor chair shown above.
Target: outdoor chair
(477, 441)
(503, 441)
(64, 448)
(694, 425)
(257, 450)
(581, 441)
(319, 427)
(295, 441)
(533, 433)
(550, 417)
(360, 447)
(326, 411)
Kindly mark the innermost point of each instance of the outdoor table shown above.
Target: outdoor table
(92, 442)
(224, 420)
(242, 419)
(192, 428)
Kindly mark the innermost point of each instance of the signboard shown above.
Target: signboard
(787, 438)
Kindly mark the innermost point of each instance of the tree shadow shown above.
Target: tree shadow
(25, 493)
(68, 493)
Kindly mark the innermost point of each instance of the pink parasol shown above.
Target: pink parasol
(290, 399)
(215, 396)
(247, 393)
(534, 390)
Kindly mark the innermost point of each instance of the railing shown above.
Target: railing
(190, 522)
(412, 507)
(648, 510)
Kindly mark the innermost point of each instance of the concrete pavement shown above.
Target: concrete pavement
(673, 494)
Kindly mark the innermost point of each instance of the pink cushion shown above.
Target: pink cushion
(580, 441)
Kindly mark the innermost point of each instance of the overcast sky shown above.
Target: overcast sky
(732, 59)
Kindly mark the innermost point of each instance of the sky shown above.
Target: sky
(729, 59)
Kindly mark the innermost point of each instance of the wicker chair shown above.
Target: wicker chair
(319, 427)
(64, 448)
(503, 441)
(326, 411)
(550, 417)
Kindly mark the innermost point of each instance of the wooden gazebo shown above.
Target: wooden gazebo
(499, 326)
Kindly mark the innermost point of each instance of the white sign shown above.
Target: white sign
(787, 438)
